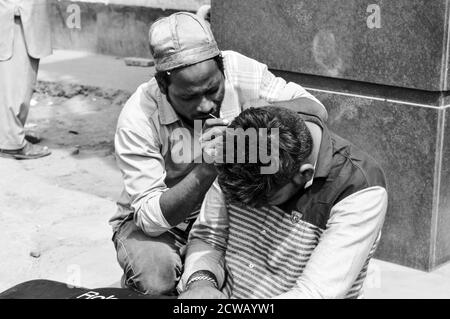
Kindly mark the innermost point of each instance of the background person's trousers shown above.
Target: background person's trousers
(151, 265)
(17, 80)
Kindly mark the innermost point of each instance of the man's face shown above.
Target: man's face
(298, 181)
(197, 90)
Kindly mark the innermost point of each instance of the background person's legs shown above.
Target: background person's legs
(17, 80)
(152, 265)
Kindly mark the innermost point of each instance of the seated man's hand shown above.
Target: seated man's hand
(202, 289)
(255, 103)
(212, 139)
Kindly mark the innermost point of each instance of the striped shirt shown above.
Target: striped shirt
(318, 245)
(267, 252)
(146, 144)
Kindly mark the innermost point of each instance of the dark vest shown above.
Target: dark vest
(341, 170)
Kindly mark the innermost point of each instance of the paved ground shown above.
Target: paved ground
(56, 208)
(93, 70)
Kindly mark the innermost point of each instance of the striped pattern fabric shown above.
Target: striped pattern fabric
(268, 250)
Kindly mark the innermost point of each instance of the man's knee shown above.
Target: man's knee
(158, 275)
(151, 265)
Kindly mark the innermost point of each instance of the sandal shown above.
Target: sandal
(29, 151)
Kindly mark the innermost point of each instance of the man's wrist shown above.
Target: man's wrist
(201, 284)
(208, 170)
(202, 278)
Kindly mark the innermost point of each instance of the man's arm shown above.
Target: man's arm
(344, 247)
(157, 207)
(181, 200)
(206, 246)
(143, 170)
(303, 105)
(142, 165)
(253, 81)
(278, 92)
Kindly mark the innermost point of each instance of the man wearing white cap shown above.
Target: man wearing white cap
(195, 93)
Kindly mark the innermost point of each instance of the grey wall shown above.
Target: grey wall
(117, 30)
(332, 38)
(384, 88)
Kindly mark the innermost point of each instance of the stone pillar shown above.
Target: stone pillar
(381, 69)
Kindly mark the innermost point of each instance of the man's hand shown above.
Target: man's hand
(255, 103)
(202, 289)
(212, 138)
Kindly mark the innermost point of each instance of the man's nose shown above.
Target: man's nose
(206, 105)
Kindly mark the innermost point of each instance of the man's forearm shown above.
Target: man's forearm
(304, 105)
(179, 201)
(202, 256)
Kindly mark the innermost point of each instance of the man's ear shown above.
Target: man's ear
(306, 173)
(162, 82)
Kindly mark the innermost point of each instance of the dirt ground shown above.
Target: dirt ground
(54, 211)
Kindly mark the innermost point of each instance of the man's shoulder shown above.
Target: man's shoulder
(237, 62)
(359, 169)
(230, 54)
(140, 107)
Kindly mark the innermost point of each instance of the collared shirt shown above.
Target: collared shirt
(317, 245)
(150, 136)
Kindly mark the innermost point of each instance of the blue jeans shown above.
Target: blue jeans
(151, 265)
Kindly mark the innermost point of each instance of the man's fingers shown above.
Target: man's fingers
(215, 122)
(215, 144)
(212, 132)
(255, 103)
(213, 151)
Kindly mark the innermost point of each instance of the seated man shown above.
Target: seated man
(306, 231)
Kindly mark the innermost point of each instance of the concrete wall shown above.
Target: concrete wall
(190, 5)
(113, 27)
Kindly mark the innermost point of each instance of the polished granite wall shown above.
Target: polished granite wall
(443, 211)
(334, 38)
(384, 88)
(403, 139)
(408, 133)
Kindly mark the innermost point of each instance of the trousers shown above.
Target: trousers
(17, 80)
(151, 265)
